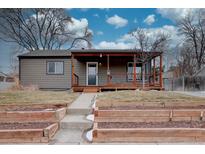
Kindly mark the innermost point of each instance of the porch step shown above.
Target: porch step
(90, 89)
(75, 121)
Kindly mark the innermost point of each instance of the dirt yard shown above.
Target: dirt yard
(172, 124)
(30, 125)
(37, 97)
(135, 98)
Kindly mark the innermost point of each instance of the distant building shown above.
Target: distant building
(3, 77)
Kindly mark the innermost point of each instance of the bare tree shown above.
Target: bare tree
(193, 28)
(147, 43)
(186, 62)
(35, 29)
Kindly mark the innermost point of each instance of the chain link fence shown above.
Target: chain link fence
(185, 83)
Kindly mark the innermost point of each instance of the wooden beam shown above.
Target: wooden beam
(153, 54)
(154, 72)
(108, 68)
(161, 69)
(134, 67)
(72, 65)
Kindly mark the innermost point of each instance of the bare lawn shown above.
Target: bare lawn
(21, 97)
(134, 98)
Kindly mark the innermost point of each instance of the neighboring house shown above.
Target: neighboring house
(5, 81)
(93, 68)
(3, 77)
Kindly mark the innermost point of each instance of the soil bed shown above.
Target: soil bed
(174, 124)
(149, 107)
(13, 126)
(34, 107)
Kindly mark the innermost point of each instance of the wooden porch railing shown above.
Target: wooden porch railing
(129, 77)
(76, 80)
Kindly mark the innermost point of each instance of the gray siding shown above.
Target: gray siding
(116, 69)
(34, 72)
(80, 70)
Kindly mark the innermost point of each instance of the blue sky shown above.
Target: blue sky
(97, 21)
(110, 25)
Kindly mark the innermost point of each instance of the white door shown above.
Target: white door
(92, 73)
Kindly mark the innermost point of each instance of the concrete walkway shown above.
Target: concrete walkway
(74, 124)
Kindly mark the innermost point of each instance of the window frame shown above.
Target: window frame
(47, 68)
(130, 80)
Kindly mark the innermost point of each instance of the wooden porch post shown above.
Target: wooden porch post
(108, 69)
(72, 65)
(161, 80)
(134, 66)
(154, 73)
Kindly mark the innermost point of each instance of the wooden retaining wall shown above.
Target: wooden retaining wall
(168, 103)
(32, 116)
(148, 135)
(29, 135)
(148, 115)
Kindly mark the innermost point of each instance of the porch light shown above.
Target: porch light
(100, 64)
(100, 55)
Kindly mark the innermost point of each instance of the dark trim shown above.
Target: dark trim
(19, 71)
(54, 73)
(44, 57)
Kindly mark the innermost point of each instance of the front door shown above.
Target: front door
(92, 73)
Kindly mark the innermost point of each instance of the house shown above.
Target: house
(3, 77)
(6, 81)
(91, 69)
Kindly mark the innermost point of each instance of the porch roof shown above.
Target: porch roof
(113, 52)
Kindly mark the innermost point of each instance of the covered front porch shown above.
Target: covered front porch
(116, 70)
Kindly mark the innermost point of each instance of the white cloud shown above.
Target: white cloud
(99, 33)
(78, 26)
(96, 15)
(117, 21)
(113, 45)
(151, 32)
(128, 42)
(150, 19)
(176, 13)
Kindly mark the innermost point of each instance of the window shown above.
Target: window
(1, 78)
(54, 67)
(130, 71)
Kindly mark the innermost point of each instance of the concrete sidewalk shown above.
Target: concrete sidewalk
(74, 124)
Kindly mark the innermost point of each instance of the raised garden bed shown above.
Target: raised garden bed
(148, 115)
(46, 115)
(32, 113)
(149, 132)
(31, 107)
(147, 98)
(27, 132)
